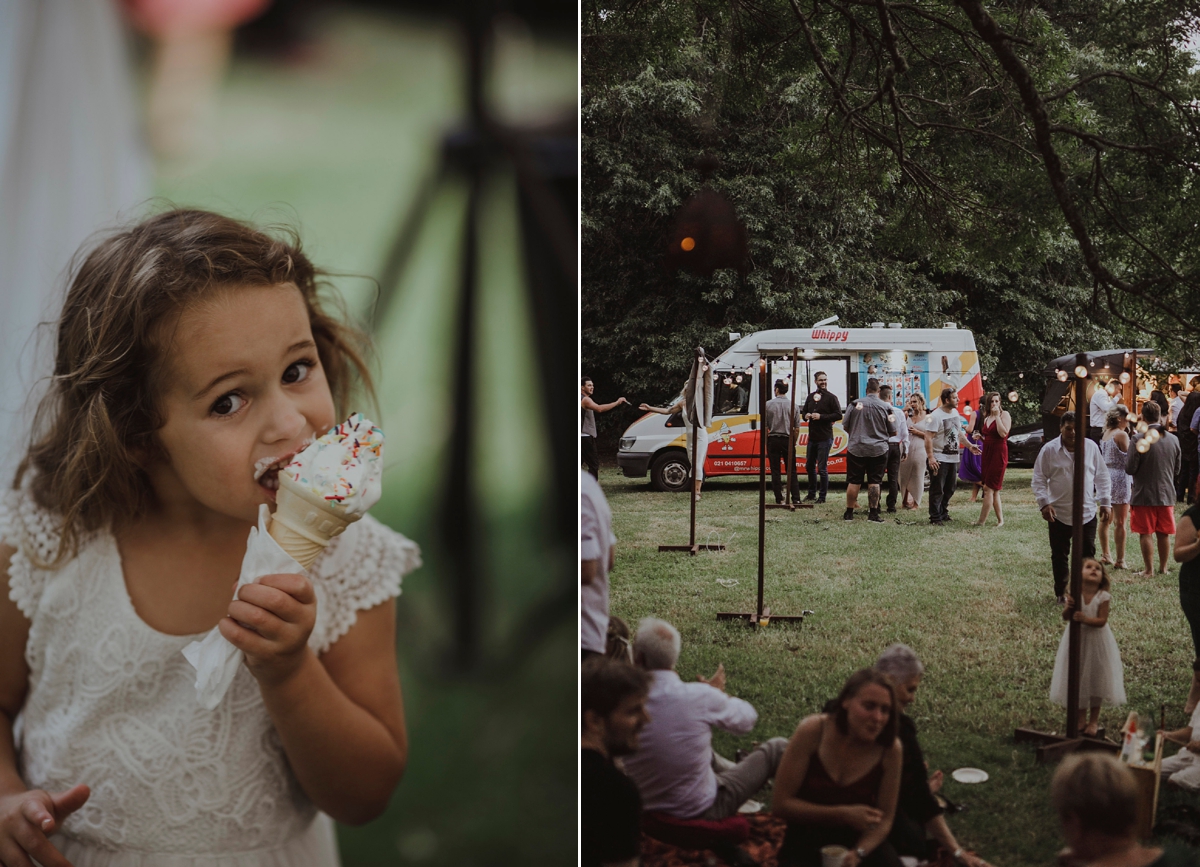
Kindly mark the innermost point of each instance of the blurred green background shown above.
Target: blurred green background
(333, 138)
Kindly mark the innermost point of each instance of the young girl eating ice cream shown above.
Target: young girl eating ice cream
(193, 361)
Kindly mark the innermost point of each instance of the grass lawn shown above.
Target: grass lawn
(975, 603)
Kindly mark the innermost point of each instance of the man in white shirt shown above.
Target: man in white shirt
(596, 552)
(675, 767)
(1176, 389)
(1053, 475)
(1103, 399)
(949, 435)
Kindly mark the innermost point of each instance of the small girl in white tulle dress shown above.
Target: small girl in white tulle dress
(1102, 677)
(193, 359)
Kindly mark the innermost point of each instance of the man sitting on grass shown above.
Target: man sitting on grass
(614, 710)
(675, 767)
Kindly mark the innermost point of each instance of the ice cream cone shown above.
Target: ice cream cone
(304, 523)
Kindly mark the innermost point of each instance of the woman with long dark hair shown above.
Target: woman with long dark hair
(839, 779)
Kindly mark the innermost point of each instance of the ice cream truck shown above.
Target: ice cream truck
(911, 360)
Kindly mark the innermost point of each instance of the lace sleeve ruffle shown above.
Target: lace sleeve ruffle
(35, 534)
(362, 569)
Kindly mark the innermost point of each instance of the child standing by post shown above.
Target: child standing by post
(193, 359)
(1102, 677)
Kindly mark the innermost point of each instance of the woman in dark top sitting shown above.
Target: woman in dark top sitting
(918, 814)
(838, 780)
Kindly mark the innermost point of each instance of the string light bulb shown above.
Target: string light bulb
(1013, 396)
(1081, 372)
(1124, 377)
(1021, 375)
(1142, 427)
(1143, 446)
(1154, 435)
(1063, 376)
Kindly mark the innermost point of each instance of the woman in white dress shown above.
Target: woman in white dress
(912, 468)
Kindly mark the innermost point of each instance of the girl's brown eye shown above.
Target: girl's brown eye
(297, 372)
(228, 404)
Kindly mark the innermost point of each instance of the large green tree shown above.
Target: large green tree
(1027, 170)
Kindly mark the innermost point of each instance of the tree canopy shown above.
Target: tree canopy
(1025, 169)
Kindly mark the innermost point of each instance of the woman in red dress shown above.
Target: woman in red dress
(996, 426)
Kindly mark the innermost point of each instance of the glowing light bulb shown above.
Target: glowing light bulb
(1124, 377)
(729, 381)
(1131, 418)
(1081, 372)
(688, 244)
(1154, 435)
(1142, 427)
(738, 377)
(1063, 376)
(1020, 376)
(1143, 446)
(984, 377)
(1013, 396)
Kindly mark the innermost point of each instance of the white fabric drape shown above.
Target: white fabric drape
(71, 162)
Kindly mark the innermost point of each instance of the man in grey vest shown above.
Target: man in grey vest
(781, 425)
(870, 423)
(587, 428)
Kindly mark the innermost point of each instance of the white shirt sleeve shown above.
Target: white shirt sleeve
(589, 530)
(729, 713)
(1041, 484)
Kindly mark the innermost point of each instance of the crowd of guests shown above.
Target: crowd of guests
(852, 775)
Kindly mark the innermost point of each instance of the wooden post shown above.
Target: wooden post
(1076, 584)
(762, 477)
(793, 484)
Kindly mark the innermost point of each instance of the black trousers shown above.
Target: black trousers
(591, 457)
(777, 456)
(817, 463)
(893, 473)
(1060, 550)
(942, 485)
(1185, 485)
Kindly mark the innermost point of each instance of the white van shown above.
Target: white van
(924, 360)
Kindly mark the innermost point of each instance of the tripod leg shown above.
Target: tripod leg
(406, 240)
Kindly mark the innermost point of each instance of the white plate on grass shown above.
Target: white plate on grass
(970, 775)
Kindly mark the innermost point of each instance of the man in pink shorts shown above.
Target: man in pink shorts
(1152, 501)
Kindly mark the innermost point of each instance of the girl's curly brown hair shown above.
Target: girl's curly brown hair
(96, 426)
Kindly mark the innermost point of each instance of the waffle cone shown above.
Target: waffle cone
(303, 523)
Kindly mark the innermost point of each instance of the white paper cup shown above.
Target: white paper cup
(831, 856)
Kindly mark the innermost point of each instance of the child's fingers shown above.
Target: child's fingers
(66, 803)
(34, 843)
(245, 640)
(36, 812)
(255, 619)
(12, 855)
(283, 605)
(296, 586)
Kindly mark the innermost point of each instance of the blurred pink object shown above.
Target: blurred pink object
(162, 17)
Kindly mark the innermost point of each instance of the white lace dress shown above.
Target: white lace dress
(112, 704)
(1101, 675)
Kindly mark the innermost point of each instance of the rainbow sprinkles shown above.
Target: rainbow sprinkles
(344, 466)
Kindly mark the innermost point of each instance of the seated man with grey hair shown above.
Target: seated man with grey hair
(918, 813)
(675, 768)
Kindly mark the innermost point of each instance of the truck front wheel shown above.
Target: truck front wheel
(670, 471)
